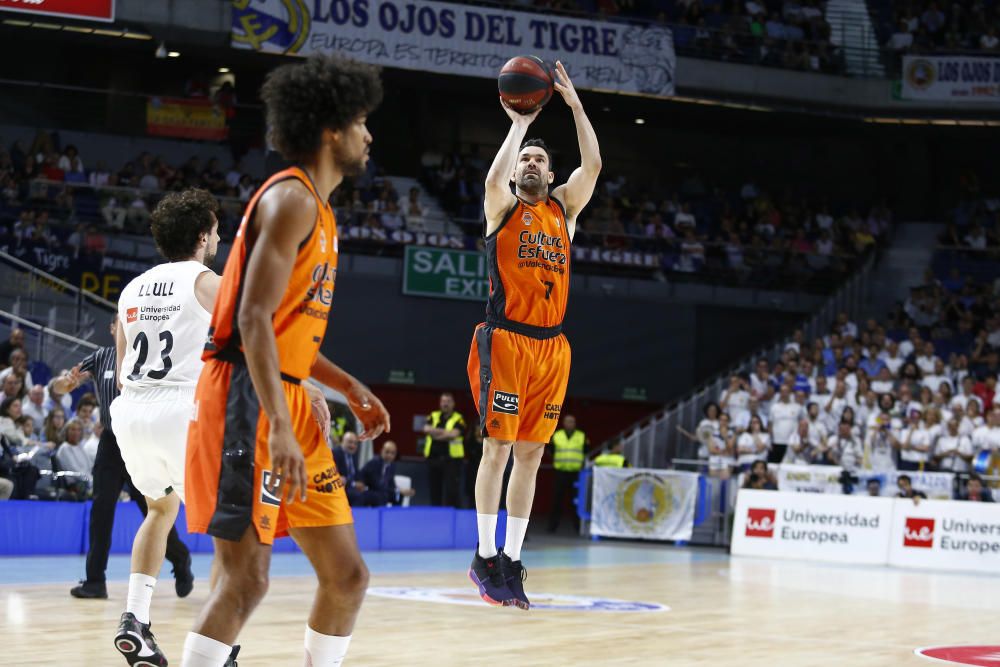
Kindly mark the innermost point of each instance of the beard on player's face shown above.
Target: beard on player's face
(350, 164)
(534, 183)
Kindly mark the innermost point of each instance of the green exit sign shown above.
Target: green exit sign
(634, 393)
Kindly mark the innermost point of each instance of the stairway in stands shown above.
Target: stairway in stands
(902, 266)
(435, 219)
(852, 29)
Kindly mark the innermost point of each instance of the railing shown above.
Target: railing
(57, 349)
(28, 302)
(657, 441)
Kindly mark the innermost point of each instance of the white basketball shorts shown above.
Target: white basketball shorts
(151, 428)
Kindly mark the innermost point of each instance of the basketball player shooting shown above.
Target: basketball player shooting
(519, 361)
(258, 465)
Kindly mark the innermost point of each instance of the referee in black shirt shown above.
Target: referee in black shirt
(110, 477)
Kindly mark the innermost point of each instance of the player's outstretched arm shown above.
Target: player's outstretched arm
(577, 191)
(364, 404)
(498, 198)
(285, 216)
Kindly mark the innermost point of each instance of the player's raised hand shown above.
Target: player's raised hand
(519, 118)
(367, 408)
(288, 466)
(564, 87)
(320, 408)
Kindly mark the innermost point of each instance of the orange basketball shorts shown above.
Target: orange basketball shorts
(228, 465)
(518, 383)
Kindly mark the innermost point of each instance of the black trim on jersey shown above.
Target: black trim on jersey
(506, 218)
(315, 193)
(235, 497)
(529, 330)
(237, 358)
(235, 339)
(484, 346)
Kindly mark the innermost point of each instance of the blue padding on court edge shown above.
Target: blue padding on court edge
(703, 506)
(418, 527)
(366, 527)
(38, 527)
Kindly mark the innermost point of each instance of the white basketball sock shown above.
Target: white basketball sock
(325, 650)
(487, 534)
(140, 594)
(516, 528)
(202, 651)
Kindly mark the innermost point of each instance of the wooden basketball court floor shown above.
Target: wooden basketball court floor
(422, 610)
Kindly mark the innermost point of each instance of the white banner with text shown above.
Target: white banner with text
(461, 39)
(958, 78)
(932, 534)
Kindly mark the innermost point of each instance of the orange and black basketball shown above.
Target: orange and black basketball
(525, 83)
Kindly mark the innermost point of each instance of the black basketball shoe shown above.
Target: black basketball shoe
(485, 573)
(96, 590)
(136, 642)
(513, 575)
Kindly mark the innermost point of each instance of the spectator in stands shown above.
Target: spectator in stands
(376, 484)
(759, 477)
(13, 387)
(913, 442)
(721, 447)
(76, 456)
(844, 448)
(443, 449)
(18, 365)
(906, 490)
(707, 428)
(976, 491)
(14, 341)
(345, 457)
(752, 444)
(34, 405)
(874, 486)
(801, 447)
(784, 417)
(987, 436)
(10, 412)
(735, 400)
(953, 451)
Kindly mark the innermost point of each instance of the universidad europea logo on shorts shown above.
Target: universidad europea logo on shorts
(760, 522)
(918, 533)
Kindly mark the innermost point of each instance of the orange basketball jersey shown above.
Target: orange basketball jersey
(529, 262)
(301, 318)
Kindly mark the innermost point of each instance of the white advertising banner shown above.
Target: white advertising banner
(809, 479)
(946, 535)
(643, 503)
(461, 39)
(958, 78)
(827, 479)
(812, 526)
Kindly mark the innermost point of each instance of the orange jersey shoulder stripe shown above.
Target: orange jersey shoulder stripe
(301, 317)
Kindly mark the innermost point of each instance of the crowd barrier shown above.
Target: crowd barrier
(931, 534)
(30, 528)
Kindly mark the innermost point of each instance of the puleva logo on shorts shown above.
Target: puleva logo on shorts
(505, 402)
(760, 522)
(131, 315)
(539, 601)
(266, 496)
(918, 533)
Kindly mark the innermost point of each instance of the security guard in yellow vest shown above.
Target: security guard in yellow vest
(444, 451)
(569, 446)
(611, 458)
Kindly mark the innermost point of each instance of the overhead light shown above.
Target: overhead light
(173, 54)
(107, 33)
(223, 70)
(136, 35)
(16, 22)
(77, 28)
(47, 26)
(640, 121)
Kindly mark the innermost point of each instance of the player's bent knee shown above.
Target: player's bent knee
(529, 452)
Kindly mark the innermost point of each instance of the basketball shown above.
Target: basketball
(525, 83)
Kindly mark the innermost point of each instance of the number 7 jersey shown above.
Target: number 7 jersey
(164, 326)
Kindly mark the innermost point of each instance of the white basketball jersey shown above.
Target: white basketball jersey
(165, 327)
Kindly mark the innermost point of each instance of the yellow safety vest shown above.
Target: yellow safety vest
(568, 454)
(456, 449)
(339, 426)
(609, 460)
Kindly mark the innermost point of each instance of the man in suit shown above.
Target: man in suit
(346, 458)
(376, 483)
